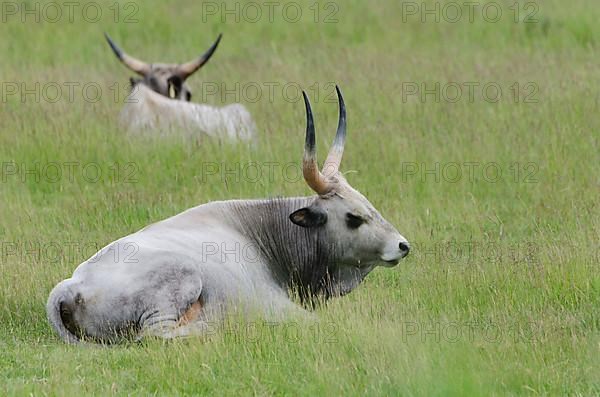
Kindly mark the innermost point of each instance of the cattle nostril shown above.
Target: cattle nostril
(404, 248)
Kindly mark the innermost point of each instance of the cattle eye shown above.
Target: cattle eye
(353, 221)
(188, 96)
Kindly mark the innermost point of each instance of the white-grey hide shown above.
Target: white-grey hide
(147, 112)
(180, 276)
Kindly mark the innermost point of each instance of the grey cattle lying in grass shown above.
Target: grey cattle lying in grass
(165, 281)
(160, 101)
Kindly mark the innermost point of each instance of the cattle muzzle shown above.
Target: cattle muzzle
(400, 250)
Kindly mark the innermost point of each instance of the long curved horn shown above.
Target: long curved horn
(310, 168)
(334, 158)
(132, 63)
(185, 70)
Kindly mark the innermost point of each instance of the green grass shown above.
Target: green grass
(500, 295)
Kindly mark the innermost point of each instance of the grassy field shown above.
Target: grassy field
(499, 196)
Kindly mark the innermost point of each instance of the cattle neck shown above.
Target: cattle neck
(300, 259)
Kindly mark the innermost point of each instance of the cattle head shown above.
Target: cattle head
(361, 236)
(165, 79)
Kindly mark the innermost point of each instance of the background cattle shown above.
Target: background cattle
(159, 102)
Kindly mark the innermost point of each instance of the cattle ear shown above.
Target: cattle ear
(309, 217)
(133, 81)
